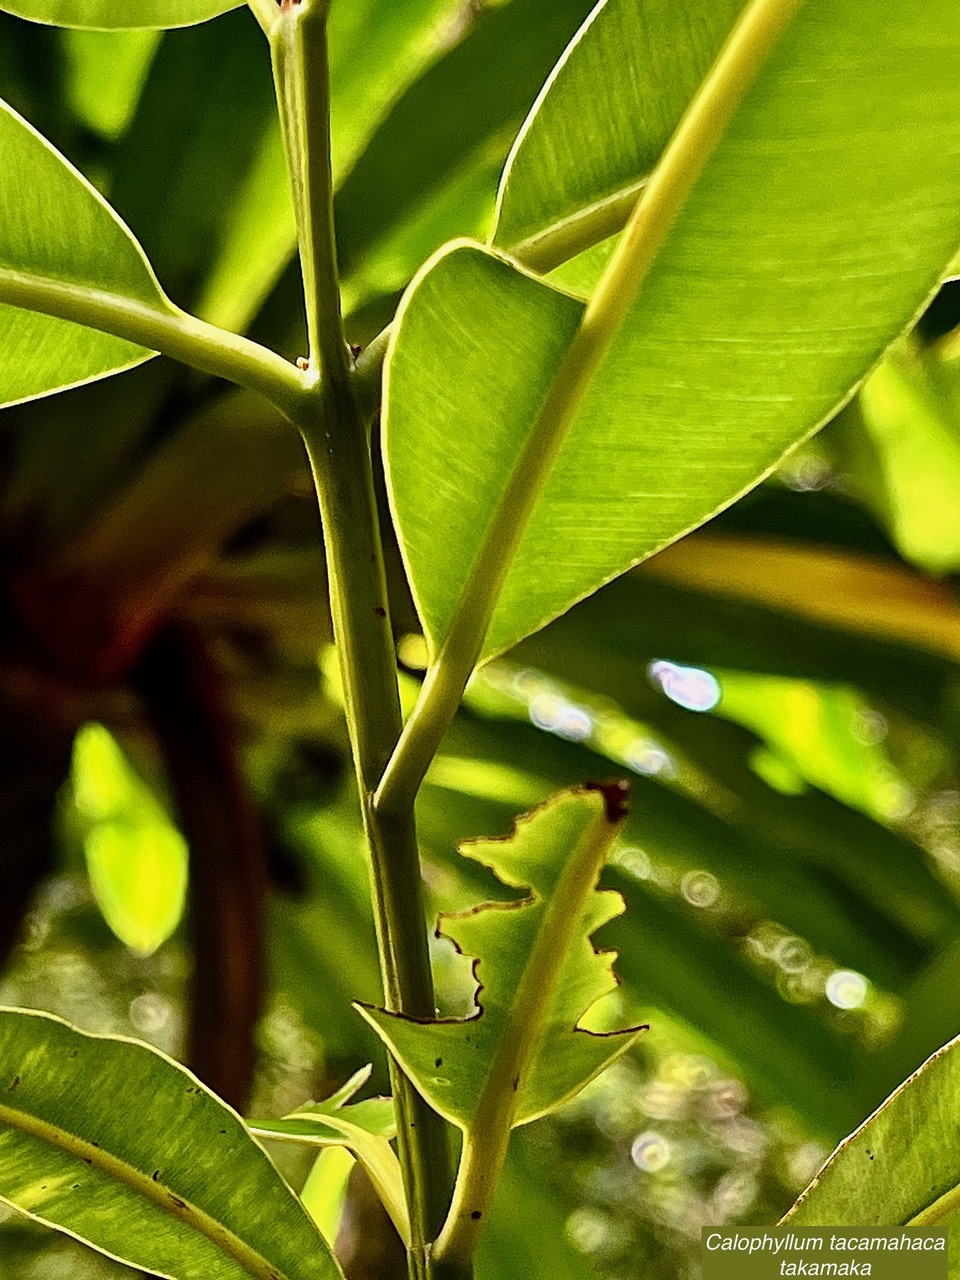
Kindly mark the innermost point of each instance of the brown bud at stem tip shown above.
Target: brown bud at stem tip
(616, 795)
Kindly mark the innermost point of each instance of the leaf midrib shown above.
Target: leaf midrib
(141, 1183)
(587, 226)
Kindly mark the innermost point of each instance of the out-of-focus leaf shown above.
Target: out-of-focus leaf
(118, 1146)
(509, 1249)
(823, 733)
(852, 592)
(915, 429)
(478, 345)
(563, 184)
(136, 858)
(107, 15)
(375, 52)
(429, 172)
(118, 581)
(732, 622)
(902, 1166)
(183, 166)
(325, 1190)
(674, 961)
(539, 977)
(364, 1128)
(324, 949)
(58, 236)
(105, 74)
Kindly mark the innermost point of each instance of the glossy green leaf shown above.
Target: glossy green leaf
(822, 221)
(121, 1148)
(902, 1166)
(108, 15)
(582, 157)
(202, 123)
(58, 237)
(539, 975)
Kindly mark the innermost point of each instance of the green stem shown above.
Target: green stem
(301, 72)
(701, 129)
(335, 433)
(166, 329)
(266, 13)
(340, 459)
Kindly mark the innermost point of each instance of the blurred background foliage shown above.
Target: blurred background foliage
(181, 858)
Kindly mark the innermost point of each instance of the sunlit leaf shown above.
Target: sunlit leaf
(363, 1128)
(59, 237)
(829, 736)
(105, 74)
(538, 973)
(914, 425)
(136, 858)
(324, 1193)
(672, 427)
(109, 15)
(902, 1166)
(375, 52)
(118, 1146)
(430, 170)
(564, 185)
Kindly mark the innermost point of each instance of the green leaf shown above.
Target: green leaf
(582, 157)
(821, 733)
(523, 1053)
(324, 1193)
(117, 15)
(816, 229)
(60, 241)
(914, 426)
(105, 75)
(114, 1144)
(430, 170)
(363, 1128)
(136, 858)
(375, 51)
(902, 1166)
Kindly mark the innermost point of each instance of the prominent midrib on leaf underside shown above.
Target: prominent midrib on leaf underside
(579, 231)
(141, 1183)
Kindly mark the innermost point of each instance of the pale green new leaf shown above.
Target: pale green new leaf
(60, 244)
(582, 157)
(118, 15)
(523, 1053)
(363, 1128)
(818, 227)
(116, 1145)
(902, 1166)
